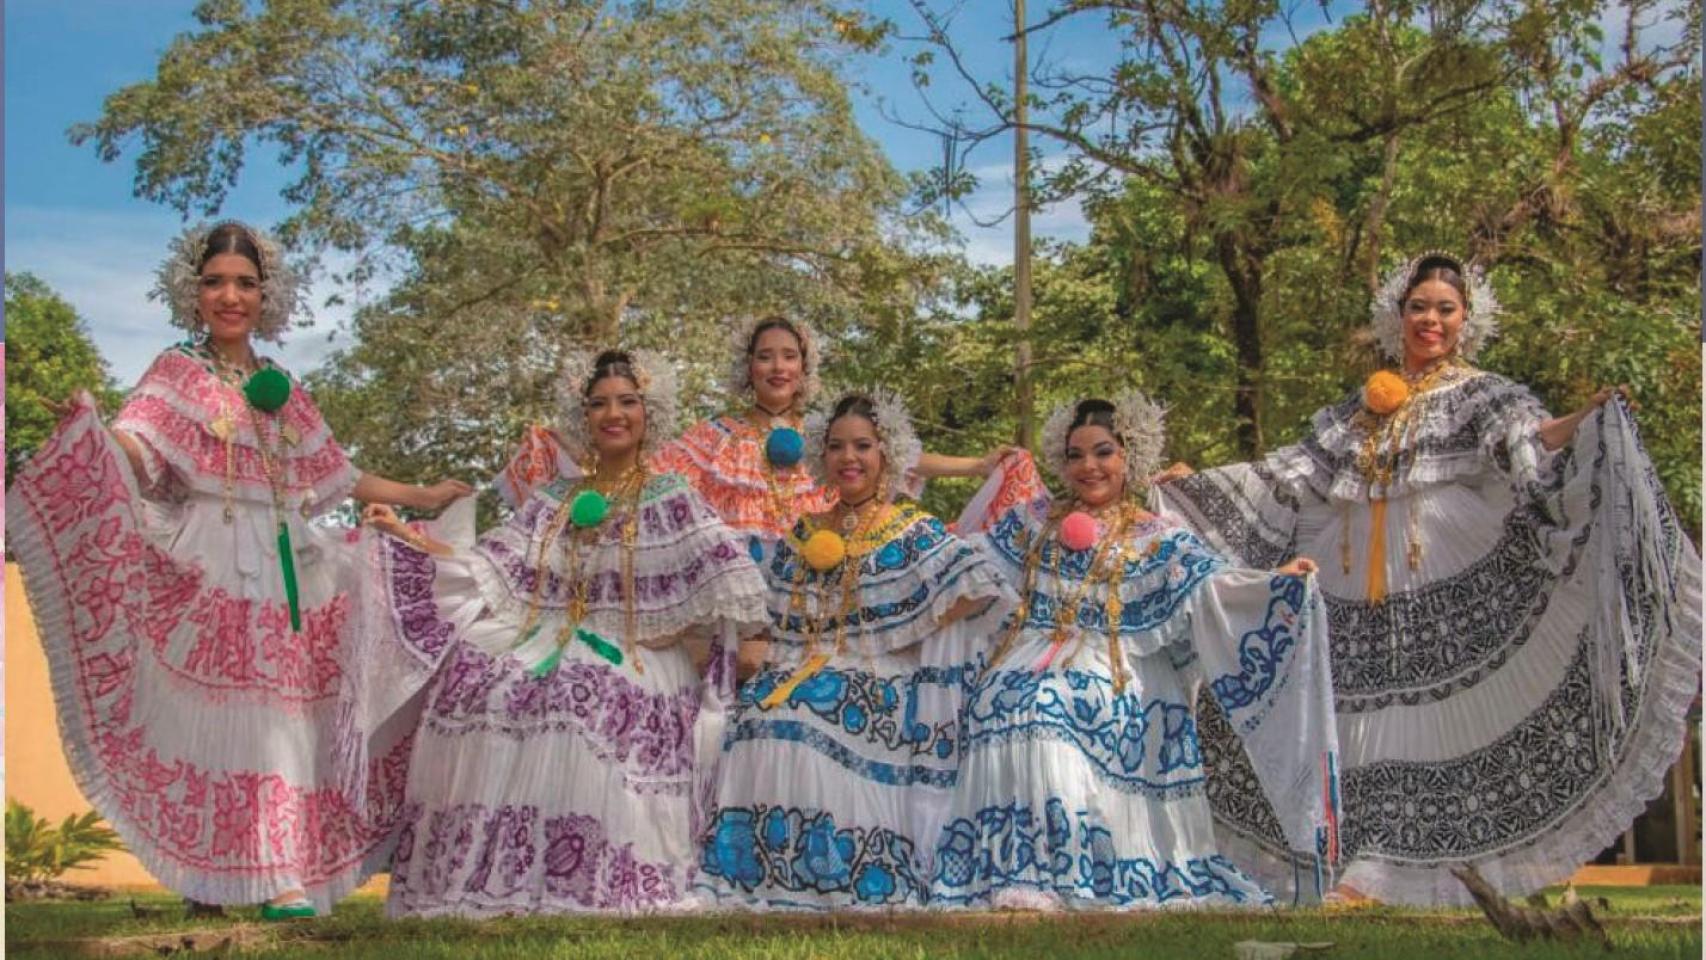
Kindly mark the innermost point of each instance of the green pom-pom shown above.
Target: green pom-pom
(588, 509)
(267, 390)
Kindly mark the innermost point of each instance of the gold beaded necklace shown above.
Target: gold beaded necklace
(1385, 437)
(781, 502)
(275, 466)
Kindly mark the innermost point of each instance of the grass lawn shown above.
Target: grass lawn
(1644, 922)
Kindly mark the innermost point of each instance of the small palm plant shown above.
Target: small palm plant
(38, 853)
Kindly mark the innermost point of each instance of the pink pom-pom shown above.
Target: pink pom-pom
(1078, 531)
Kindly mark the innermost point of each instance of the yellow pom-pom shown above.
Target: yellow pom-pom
(824, 549)
(1385, 392)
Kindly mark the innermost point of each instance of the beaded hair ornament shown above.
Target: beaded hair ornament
(656, 381)
(1481, 312)
(1139, 423)
(178, 281)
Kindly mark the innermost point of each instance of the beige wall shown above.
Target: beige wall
(36, 773)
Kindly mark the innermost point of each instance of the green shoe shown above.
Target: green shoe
(295, 910)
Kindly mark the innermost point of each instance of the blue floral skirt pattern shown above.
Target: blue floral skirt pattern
(835, 797)
(784, 851)
(1071, 795)
(1074, 857)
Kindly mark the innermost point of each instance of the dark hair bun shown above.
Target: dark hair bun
(231, 238)
(611, 363)
(852, 404)
(1094, 412)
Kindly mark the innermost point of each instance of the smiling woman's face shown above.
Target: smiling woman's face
(615, 417)
(853, 457)
(1095, 465)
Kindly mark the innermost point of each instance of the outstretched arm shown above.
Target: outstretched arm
(1178, 471)
(382, 518)
(941, 465)
(1558, 431)
(373, 488)
(133, 452)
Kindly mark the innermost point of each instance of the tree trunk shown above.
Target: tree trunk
(1375, 223)
(1243, 271)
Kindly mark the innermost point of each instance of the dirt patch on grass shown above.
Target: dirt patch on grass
(181, 942)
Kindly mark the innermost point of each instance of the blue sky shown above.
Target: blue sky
(73, 221)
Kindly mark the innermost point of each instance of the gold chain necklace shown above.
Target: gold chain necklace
(782, 503)
(274, 465)
(1385, 437)
(1101, 569)
(871, 532)
(625, 490)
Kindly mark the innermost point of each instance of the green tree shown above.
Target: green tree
(1287, 156)
(1247, 191)
(49, 356)
(532, 177)
(598, 158)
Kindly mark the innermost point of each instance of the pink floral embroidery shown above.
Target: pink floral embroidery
(109, 595)
(177, 401)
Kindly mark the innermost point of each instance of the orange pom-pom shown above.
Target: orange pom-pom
(824, 549)
(1385, 392)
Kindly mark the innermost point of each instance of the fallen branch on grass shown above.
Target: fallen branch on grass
(1572, 921)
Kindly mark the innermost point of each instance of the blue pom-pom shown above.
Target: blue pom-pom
(755, 547)
(784, 447)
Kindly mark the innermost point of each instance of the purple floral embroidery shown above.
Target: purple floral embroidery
(573, 845)
(582, 867)
(509, 552)
(405, 850)
(508, 846)
(650, 733)
(450, 834)
(416, 615)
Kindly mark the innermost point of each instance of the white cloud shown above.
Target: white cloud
(103, 263)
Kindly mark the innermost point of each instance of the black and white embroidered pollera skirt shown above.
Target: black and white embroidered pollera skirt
(1510, 699)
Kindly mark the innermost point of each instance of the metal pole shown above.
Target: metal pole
(1022, 229)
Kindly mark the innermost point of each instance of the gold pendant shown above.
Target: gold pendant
(292, 436)
(223, 426)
